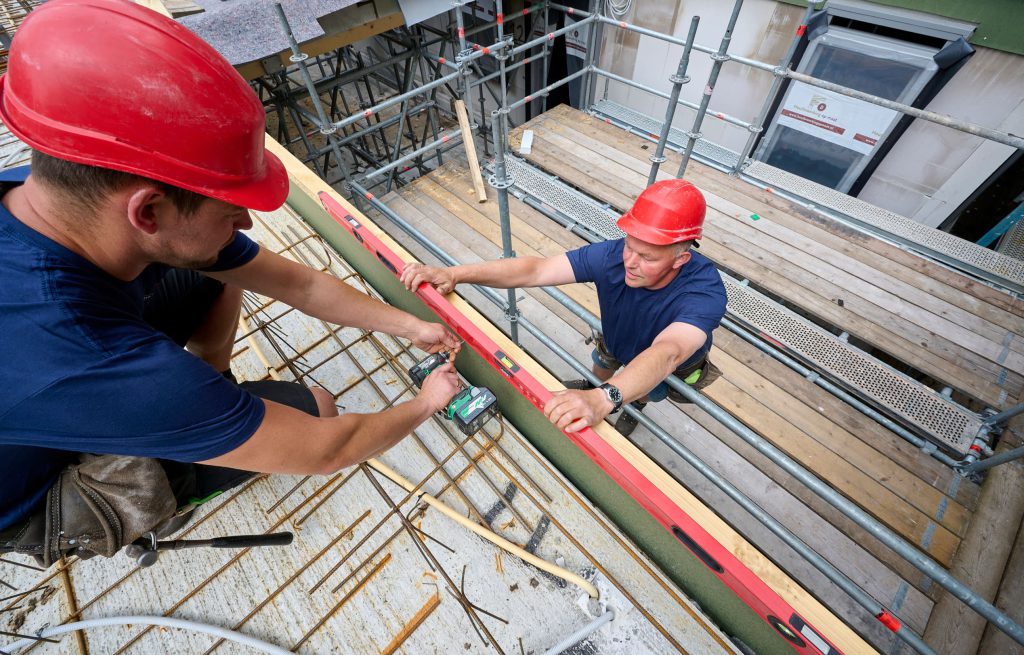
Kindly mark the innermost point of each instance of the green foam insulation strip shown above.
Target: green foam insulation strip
(999, 21)
(677, 562)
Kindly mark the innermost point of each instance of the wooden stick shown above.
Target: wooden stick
(420, 616)
(474, 163)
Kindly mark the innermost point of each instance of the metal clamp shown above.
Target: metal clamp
(676, 79)
(755, 129)
(297, 57)
(696, 136)
(504, 184)
(657, 160)
(720, 57)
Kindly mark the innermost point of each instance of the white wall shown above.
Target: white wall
(932, 169)
(763, 32)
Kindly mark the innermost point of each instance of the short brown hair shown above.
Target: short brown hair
(90, 185)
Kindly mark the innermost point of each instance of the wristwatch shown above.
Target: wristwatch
(614, 396)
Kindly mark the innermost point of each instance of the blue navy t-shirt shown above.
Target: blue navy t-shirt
(83, 372)
(631, 318)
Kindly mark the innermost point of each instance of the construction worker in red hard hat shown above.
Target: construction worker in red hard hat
(121, 245)
(659, 301)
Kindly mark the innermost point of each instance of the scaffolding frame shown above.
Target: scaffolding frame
(418, 154)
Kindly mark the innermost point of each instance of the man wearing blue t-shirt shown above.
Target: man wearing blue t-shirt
(121, 247)
(659, 301)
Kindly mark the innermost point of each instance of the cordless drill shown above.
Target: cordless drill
(470, 408)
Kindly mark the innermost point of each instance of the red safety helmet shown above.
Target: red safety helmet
(670, 211)
(110, 83)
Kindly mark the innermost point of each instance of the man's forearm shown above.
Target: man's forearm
(369, 435)
(647, 370)
(509, 273)
(335, 302)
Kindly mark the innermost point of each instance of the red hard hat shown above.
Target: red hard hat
(670, 211)
(110, 83)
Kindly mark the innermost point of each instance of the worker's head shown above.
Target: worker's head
(661, 226)
(111, 84)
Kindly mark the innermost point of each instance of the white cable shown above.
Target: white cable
(582, 633)
(216, 631)
(620, 8)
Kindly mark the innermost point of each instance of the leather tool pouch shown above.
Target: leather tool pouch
(97, 507)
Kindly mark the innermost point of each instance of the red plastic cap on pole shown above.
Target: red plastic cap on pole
(110, 83)
(670, 211)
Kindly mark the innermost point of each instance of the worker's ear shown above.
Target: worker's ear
(145, 205)
(681, 259)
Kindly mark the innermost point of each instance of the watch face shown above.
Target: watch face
(613, 393)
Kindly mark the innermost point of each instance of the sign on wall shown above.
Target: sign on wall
(845, 121)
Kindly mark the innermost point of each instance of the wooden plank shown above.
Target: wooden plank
(1011, 600)
(318, 46)
(926, 310)
(531, 219)
(481, 248)
(540, 241)
(576, 173)
(474, 163)
(799, 490)
(853, 483)
(834, 286)
(850, 243)
(844, 447)
(845, 552)
(885, 444)
(492, 233)
(920, 358)
(761, 201)
(968, 381)
(959, 327)
(953, 629)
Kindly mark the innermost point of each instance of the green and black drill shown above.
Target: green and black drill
(470, 408)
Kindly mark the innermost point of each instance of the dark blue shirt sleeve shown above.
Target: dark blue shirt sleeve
(704, 309)
(239, 252)
(155, 400)
(588, 262)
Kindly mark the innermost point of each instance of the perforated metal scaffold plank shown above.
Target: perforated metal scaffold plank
(908, 399)
(651, 127)
(996, 267)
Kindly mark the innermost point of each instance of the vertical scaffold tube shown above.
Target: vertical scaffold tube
(327, 128)
(501, 183)
(719, 58)
(678, 80)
